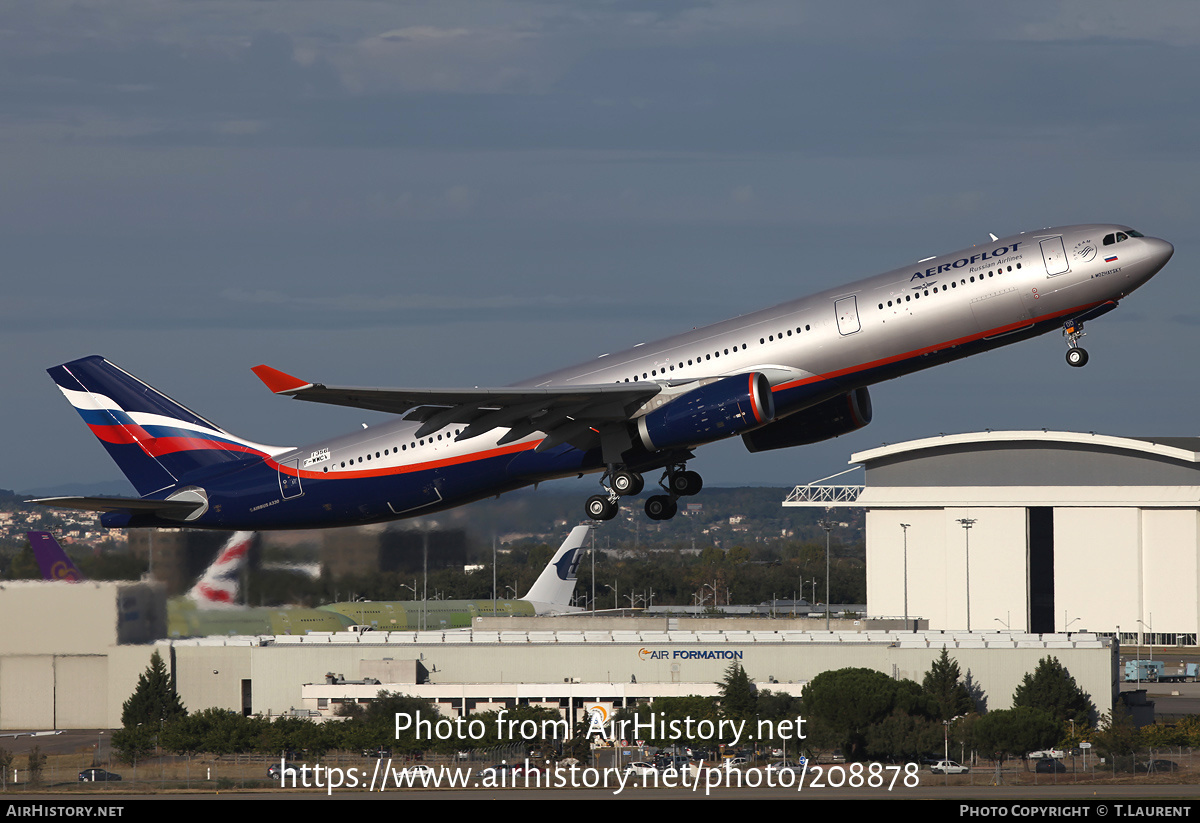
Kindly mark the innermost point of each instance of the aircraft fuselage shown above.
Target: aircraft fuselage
(810, 350)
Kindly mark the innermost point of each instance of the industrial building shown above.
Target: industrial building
(74, 671)
(1002, 547)
(1034, 531)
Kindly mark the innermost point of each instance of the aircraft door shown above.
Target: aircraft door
(1055, 256)
(846, 310)
(289, 482)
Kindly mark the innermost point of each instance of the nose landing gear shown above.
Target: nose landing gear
(1072, 331)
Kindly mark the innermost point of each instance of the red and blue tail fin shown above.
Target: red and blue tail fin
(219, 585)
(157, 442)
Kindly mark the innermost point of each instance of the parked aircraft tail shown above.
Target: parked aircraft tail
(553, 589)
(51, 559)
(218, 586)
(158, 443)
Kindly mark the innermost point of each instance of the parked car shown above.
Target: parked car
(640, 768)
(1048, 765)
(948, 767)
(97, 776)
(273, 771)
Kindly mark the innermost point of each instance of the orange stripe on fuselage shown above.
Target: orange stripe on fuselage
(409, 468)
(937, 347)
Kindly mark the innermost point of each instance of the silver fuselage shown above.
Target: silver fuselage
(853, 335)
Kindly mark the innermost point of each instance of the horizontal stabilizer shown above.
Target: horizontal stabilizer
(172, 509)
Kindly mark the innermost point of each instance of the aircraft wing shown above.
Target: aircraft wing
(570, 414)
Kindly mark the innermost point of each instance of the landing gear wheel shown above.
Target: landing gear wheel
(1077, 357)
(661, 507)
(627, 483)
(686, 484)
(599, 507)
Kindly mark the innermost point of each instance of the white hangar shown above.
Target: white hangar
(1037, 531)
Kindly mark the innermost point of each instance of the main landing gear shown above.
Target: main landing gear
(622, 482)
(1076, 356)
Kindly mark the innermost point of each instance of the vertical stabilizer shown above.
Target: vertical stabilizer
(553, 589)
(51, 559)
(156, 442)
(219, 585)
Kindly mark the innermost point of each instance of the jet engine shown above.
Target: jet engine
(726, 407)
(832, 418)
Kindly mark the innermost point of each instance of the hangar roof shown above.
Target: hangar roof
(1034, 458)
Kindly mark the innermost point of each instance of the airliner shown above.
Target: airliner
(784, 376)
(549, 594)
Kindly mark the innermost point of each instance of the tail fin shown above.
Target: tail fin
(218, 586)
(155, 441)
(51, 558)
(554, 586)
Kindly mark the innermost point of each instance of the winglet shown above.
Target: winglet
(279, 382)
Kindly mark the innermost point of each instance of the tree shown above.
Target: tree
(843, 705)
(154, 701)
(134, 743)
(1052, 689)
(738, 697)
(1015, 731)
(1117, 735)
(950, 697)
(35, 767)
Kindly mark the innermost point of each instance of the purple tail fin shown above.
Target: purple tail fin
(51, 559)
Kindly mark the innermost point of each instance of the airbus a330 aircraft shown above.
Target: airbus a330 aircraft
(784, 376)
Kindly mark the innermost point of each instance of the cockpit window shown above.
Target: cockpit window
(1109, 239)
(1133, 233)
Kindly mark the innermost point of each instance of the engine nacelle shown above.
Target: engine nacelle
(729, 406)
(823, 421)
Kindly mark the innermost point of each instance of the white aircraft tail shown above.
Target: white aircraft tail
(218, 586)
(553, 589)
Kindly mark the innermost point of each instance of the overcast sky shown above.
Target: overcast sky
(470, 193)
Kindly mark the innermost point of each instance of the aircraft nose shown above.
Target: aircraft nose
(1160, 251)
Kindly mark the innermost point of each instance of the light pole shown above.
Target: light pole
(967, 523)
(827, 525)
(905, 526)
(1149, 646)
